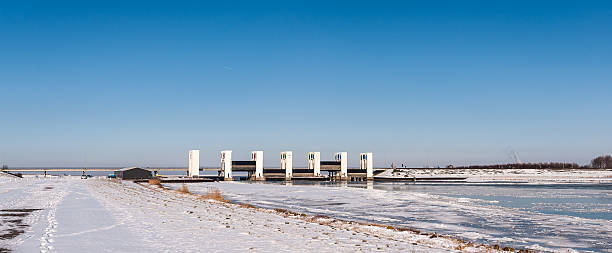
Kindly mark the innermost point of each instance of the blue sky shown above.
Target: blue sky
(425, 83)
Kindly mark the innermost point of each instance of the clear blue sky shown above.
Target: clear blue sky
(111, 83)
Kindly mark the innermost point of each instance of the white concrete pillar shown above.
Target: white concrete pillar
(226, 165)
(370, 185)
(314, 163)
(257, 156)
(342, 158)
(365, 163)
(287, 164)
(194, 163)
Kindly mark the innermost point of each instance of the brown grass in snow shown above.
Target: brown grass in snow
(245, 205)
(285, 212)
(184, 189)
(215, 194)
(155, 181)
(115, 180)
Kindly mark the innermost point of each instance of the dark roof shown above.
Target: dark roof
(130, 168)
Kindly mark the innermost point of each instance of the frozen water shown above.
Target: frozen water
(557, 216)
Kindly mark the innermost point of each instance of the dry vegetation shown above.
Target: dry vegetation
(245, 205)
(155, 181)
(285, 212)
(215, 194)
(183, 189)
(115, 180)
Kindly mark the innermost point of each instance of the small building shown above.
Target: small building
(133, 173)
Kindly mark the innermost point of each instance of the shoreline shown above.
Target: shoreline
(392, 232)
(482, 220)
(143, 212)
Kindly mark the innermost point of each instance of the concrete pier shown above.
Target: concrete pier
(194, 163)
(365, 163)
(314, 163)
(343, 159)
(287, 164)
(226, 165)
(257, 157)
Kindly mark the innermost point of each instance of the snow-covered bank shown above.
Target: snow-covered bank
(467, 218)
(509, 175)
(99, 215)
(208, 225)
(70, 219)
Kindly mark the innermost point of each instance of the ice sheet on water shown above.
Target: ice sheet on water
(433, 211)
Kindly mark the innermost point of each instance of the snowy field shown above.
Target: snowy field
(98, 215)
(560, 217)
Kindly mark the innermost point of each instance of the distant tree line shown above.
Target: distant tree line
(552, 165)
(602, 162)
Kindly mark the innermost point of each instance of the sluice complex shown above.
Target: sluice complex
(336, 169)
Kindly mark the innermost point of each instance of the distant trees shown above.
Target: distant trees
(551, 165)
(602, 162)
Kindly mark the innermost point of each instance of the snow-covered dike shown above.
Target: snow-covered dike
(99, 215)
(474, 219)
(70, 218)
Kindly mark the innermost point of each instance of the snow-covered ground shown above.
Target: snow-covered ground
(99, 215)
(70, 219)
(509, 175)
(446, 210)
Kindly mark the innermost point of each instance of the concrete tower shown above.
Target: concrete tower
(286, 159)
(342, 158)
(314, 163)
(365, 163)
(194, 163)
(226, 165)
(257, 156)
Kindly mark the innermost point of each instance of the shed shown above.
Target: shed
(133, 173)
